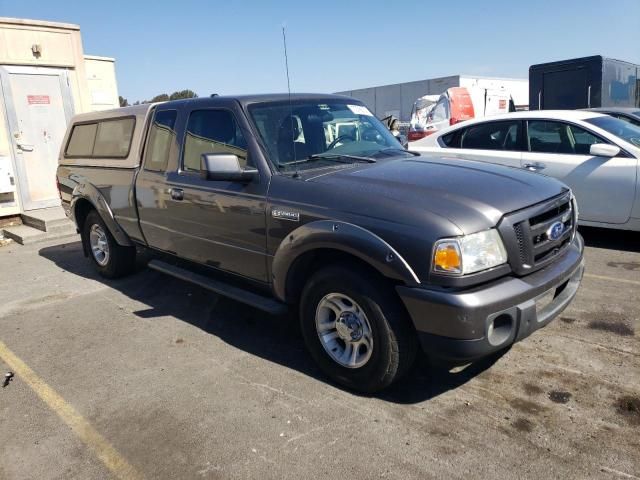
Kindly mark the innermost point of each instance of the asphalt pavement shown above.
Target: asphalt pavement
(151, 377)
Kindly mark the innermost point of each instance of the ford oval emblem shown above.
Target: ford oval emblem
(555, 231)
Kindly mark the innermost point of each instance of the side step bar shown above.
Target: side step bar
(260, 302)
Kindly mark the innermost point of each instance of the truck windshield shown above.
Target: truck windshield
(313, 134)
(617, 127)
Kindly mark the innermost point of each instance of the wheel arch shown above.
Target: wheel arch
(87, 197)
(318, 243)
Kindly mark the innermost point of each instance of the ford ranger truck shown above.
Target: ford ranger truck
(309, 204)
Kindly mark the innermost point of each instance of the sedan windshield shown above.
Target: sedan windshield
(313, 134)
(624, 130)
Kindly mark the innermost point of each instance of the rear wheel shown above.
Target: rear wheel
(111, 259)
(356, 329)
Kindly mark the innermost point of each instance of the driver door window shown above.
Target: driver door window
(550, 137)
(558, 137)
(582, 140)
(212, 131)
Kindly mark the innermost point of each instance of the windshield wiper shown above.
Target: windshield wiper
(401, 150)
(341, 158)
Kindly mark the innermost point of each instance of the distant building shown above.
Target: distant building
(45, 79)
(397, 99)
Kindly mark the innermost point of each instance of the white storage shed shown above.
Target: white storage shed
(45, 78)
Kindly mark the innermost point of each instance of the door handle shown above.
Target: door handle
(176, 194)
(534, 167)
(24, 147)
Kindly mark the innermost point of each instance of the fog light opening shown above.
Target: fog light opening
(500, 329)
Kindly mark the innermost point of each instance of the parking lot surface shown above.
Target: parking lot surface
(150, 377)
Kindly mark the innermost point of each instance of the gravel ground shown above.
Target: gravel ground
(182, 384)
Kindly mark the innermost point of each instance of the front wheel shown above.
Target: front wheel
(111, 259)
(356, 328)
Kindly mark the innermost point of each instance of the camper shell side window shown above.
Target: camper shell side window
(108, 138)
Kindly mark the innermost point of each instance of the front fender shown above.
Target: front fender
(343, 236)
(89, 192)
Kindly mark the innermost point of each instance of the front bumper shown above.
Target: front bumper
(465, 325)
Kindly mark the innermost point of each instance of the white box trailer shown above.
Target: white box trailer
(518, 89)
(44, 80)
(398, 99)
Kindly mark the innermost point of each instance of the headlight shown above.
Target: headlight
(469, 253)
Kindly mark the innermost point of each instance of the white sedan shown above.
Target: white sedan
(595, 154)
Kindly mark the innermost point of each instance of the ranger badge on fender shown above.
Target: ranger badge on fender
(285, 214)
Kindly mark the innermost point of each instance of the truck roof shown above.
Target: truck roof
(264, 97)
(142, 109)
(141, 113)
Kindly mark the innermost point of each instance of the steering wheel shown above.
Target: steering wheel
(339, 139)
(372, 135)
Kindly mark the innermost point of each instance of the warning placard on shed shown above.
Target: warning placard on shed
(38, 99)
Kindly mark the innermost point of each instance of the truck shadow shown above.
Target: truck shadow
(275, 339)
(623, 240)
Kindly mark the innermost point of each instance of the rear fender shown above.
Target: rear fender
(342, 236)
(90, 193)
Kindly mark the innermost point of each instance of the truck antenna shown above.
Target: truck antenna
(286, 65)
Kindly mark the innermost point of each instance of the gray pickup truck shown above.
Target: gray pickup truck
(308, 203)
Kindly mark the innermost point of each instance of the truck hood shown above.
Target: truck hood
(472, 195)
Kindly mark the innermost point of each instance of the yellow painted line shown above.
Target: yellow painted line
(612, 279)
(69, 415)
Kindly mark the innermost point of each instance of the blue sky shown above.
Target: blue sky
(236, 47)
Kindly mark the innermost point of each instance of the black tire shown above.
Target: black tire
(394, 339)
(120, 261)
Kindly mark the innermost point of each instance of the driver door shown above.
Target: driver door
(604, 187)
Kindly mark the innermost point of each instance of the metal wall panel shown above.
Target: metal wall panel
(619, 83)
(398, 98)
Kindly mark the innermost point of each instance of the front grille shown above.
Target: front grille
(533, 236)
(550, 214)
(522, 253)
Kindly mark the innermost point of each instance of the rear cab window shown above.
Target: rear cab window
(109, 138)
(160, 141)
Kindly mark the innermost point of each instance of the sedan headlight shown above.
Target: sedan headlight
(469, 253)
(574, 202)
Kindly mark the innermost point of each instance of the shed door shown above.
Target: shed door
(37, 123)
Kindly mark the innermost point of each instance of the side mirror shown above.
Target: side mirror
(604, 150)
(225, 167)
